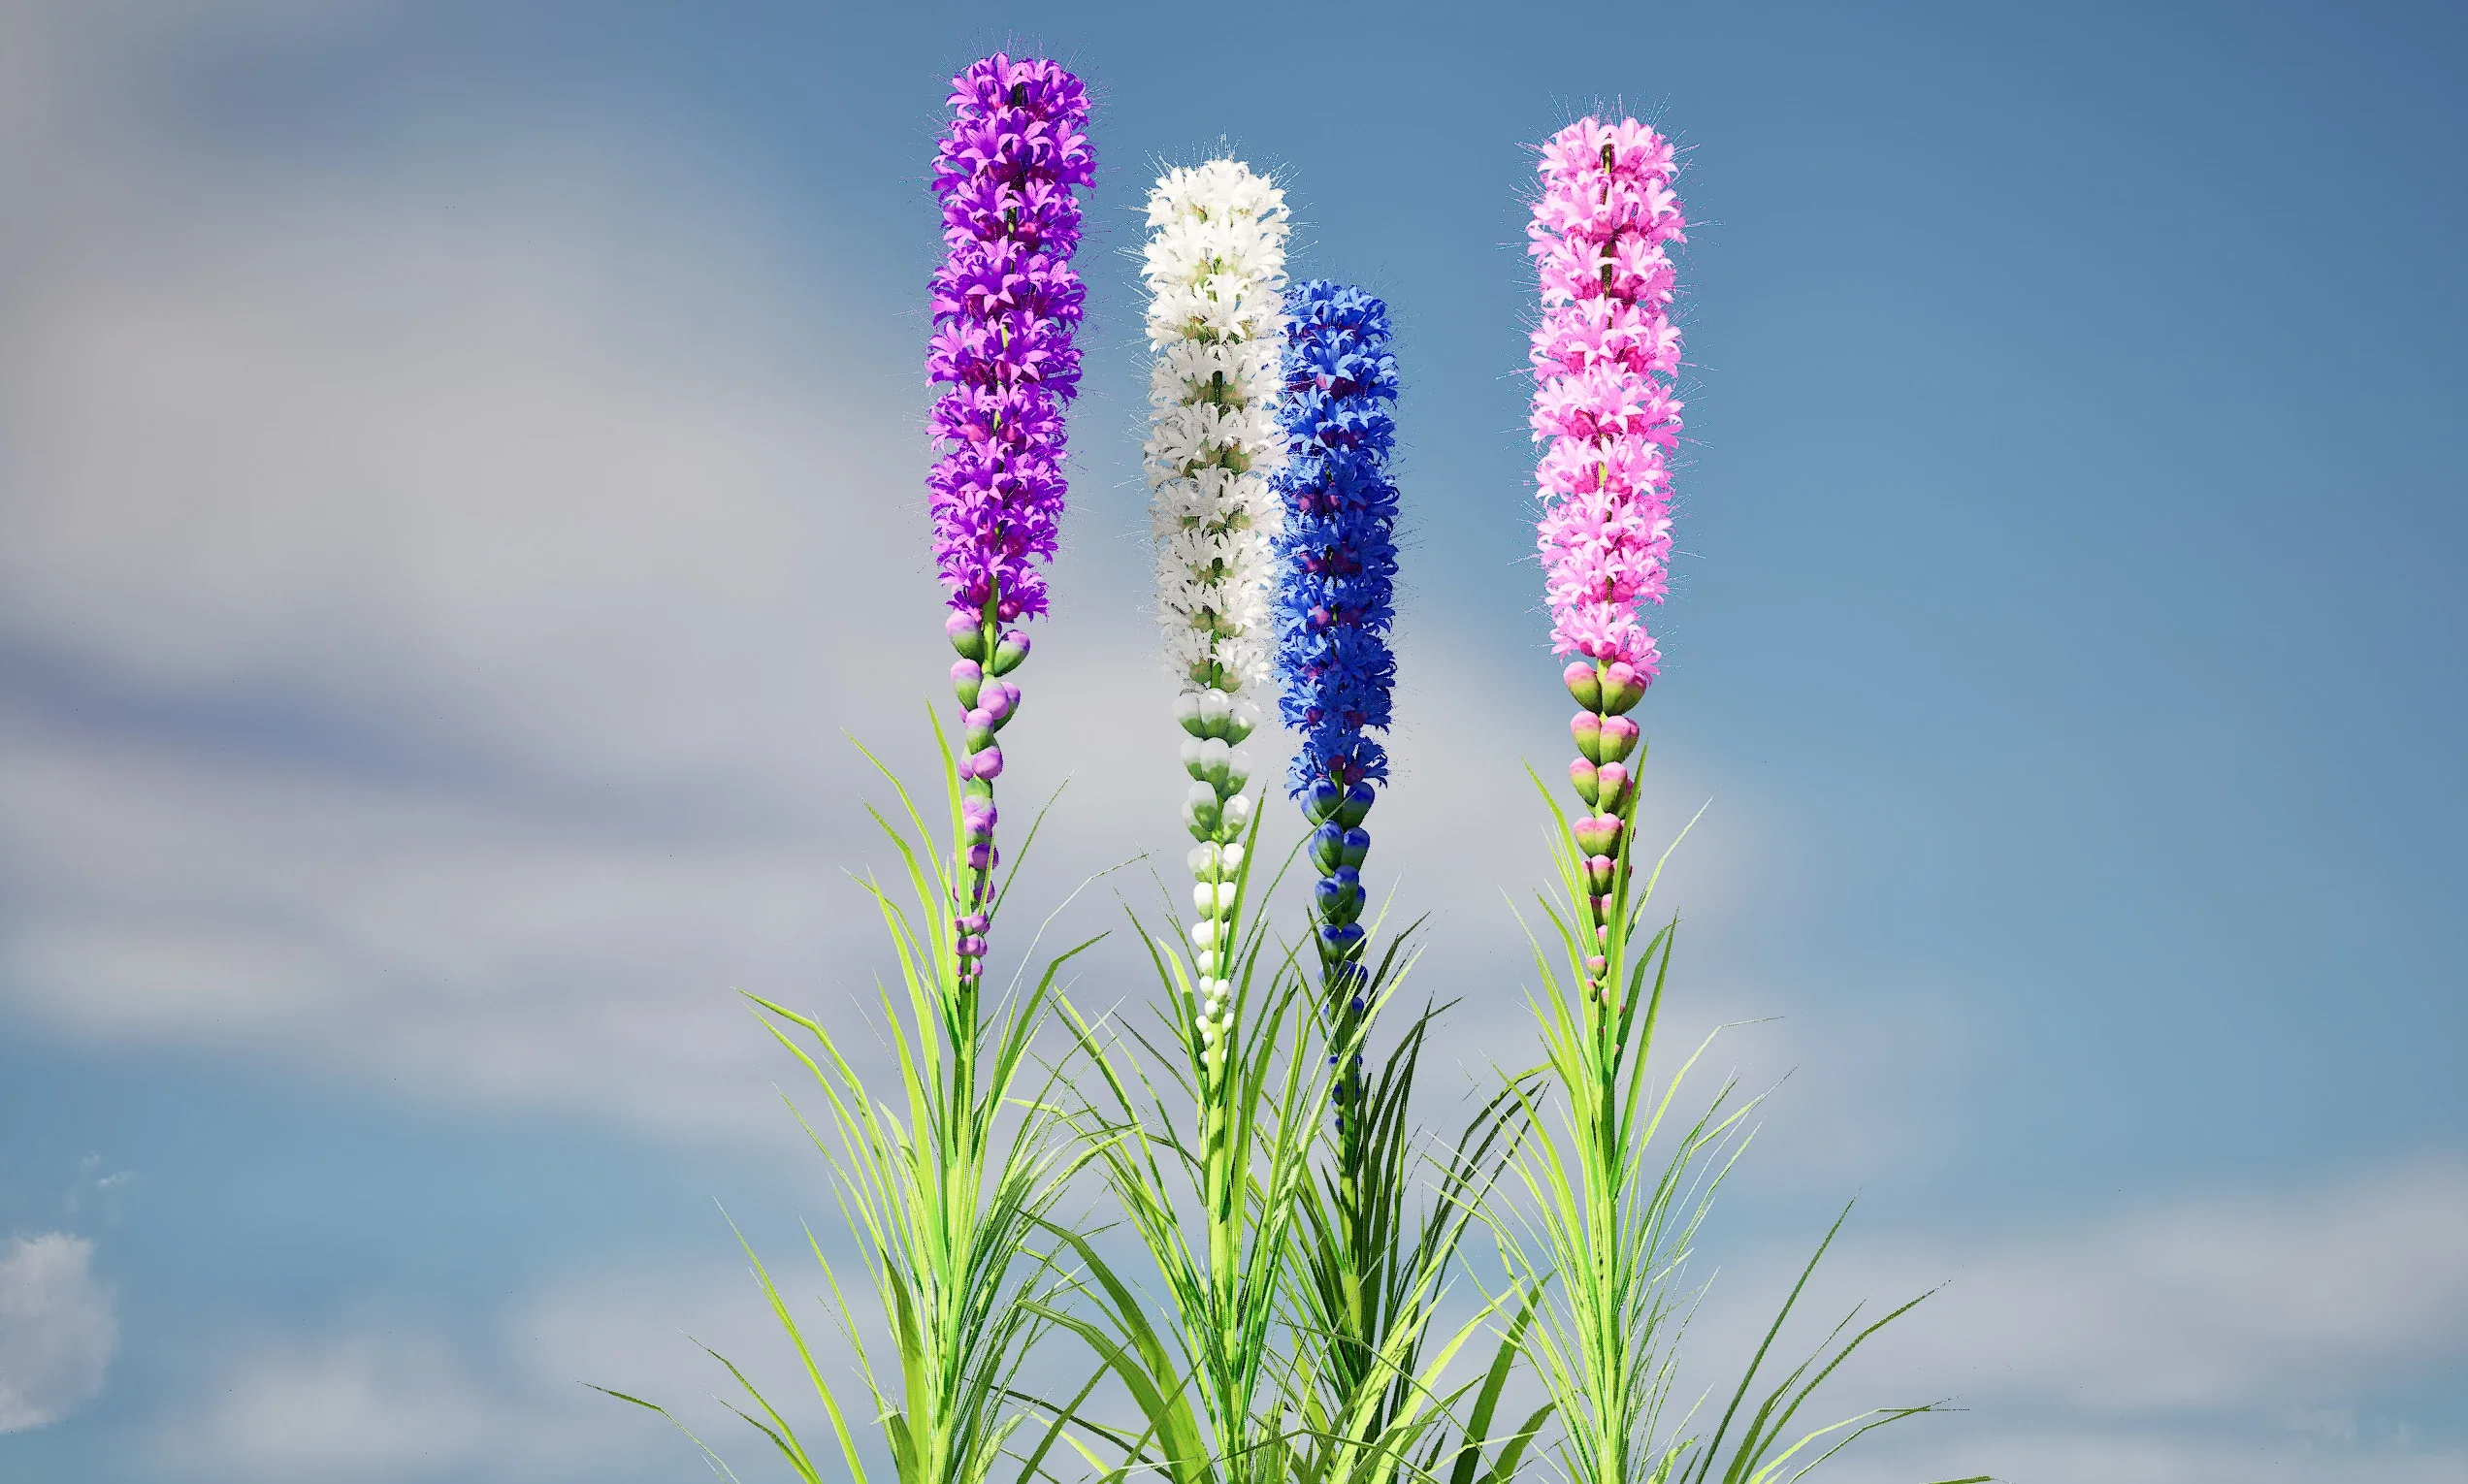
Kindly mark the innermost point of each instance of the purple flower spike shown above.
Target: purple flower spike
(1005, 304)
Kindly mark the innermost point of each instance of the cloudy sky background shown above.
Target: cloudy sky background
(459, 479)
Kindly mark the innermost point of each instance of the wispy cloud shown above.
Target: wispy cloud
(2222, 1301)
(57, 1329)
(2279, 1332)
(430, 605)
(383, 1395)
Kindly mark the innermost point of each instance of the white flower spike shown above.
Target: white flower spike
(1216, 270)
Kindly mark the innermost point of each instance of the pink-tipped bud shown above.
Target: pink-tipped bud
(1013, 648)
(967, 633)
(1617, 739)
(980, 732)
(1581, 774)
(965, 677)
(974, 925)
(1597, 834)
(1598, 872)
(1622, 687)
(1610, 785)
(1582, 686)
(999, 701)
(1585, 729)
(1598, 965)
(986, 762)
(972, 947)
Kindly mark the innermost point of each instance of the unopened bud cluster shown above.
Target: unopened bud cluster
(1216, 811)
(1338, 846)
(988, 703)
(1605, 737)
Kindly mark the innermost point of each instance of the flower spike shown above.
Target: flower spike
(1005, 303)
(1337, 567)
(1604, 356)
(1216, 271)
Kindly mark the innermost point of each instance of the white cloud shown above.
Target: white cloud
(364, 1406)
(57, 1329)
(382, 1395)
(431, 605)
(2026, 1455)
(2222, 1335)
(2217, 1302)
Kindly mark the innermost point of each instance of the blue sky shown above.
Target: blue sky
(459, 477)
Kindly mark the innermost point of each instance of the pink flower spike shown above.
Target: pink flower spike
(1604, 358)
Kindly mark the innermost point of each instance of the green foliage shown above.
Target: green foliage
(1373, 1269)
(1606, 1224)
(1286, 1324)
(1294, 1342)
(1206, 1160)
(946, 1186)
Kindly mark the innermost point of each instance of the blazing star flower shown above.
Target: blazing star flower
(1005, 301)
(1337, 567)
(1337, 558)
(1216, 271)
(1604, 356)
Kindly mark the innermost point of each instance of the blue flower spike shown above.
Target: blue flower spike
(1337, 569)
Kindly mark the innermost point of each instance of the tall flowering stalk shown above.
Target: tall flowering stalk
(1337, 567)
(1005, 304)
(1604, 358)
(1216, 271)
(1370, 1273)
(1613, 1228)
(1210, 1381)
